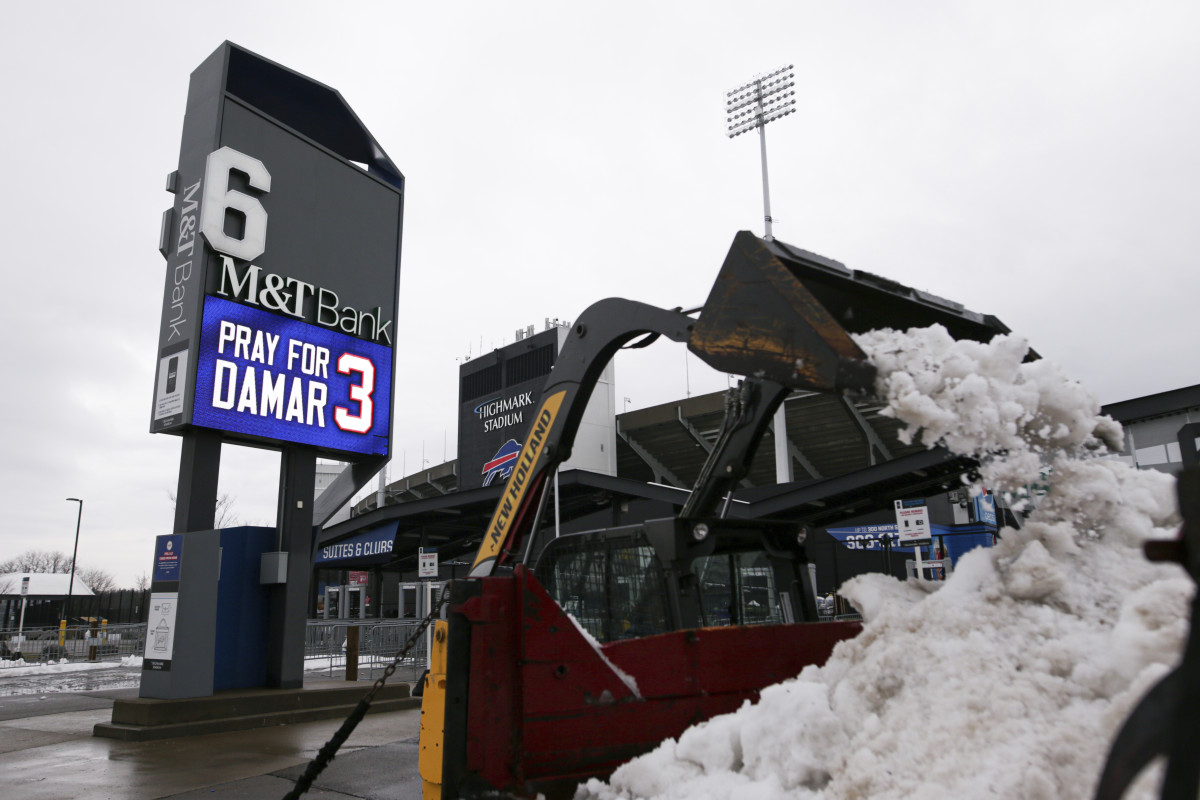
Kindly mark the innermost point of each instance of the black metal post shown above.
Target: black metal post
(289, 601)
(74, 553)
(199, 468)
(1187, 444)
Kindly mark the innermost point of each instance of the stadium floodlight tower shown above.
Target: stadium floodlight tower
(749, 106)
(754, 104)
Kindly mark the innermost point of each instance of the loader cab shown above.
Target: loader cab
(674, 574)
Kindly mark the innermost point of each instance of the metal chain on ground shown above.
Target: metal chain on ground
(326, 754)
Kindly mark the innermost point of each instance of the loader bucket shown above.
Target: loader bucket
(782, 313)
(760, 320)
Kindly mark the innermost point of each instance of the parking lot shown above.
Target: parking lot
(47, 713)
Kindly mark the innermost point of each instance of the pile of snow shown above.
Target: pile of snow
(15, 669)
(1011, 678)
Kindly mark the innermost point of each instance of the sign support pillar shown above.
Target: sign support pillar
(199, 468)
(289, 601)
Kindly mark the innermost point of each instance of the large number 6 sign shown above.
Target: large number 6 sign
(219, 199)
(360, 393)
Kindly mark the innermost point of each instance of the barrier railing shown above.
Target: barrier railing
(78, 643)
(325, 645)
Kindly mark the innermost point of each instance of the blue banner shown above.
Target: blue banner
(281, 379)
(868, 537)
(985, 509)
(957, 539)
(367, 548)
(168, 555)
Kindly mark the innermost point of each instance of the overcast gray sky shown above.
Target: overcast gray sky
(1033, 160)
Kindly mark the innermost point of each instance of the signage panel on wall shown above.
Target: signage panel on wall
(168, 555)
(498, 393)
(863, 537)
(160, 631)
(427, 562)
(367, 548)
(985, 509)
(285, 232)
(164, 602)
(912, 522)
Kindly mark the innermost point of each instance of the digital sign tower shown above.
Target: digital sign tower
(279, 310)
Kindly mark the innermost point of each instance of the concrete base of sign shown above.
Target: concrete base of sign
(143, 719)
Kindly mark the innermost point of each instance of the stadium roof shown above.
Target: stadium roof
(846, 459)
(43, 584)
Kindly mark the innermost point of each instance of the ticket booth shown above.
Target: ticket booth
(333, 606)
(354, 604)
(418, 599)
(409, 596)
(345, 602)
(432, 592)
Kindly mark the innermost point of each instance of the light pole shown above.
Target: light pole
(75, 552)
(749, 106)
(754, 104)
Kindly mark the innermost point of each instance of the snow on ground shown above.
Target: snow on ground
(31, 678)
(1007, 680)
(21, 668)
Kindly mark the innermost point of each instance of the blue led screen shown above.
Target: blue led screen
(270, 376)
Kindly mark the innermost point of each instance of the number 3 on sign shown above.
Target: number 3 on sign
(360, 393)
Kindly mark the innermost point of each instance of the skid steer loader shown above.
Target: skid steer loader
(546, 675)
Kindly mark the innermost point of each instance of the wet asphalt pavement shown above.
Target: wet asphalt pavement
(49, 753)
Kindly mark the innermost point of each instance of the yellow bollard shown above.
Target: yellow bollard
(433, 717)
(62, 632)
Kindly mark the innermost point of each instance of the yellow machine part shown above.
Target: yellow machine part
(433, 716)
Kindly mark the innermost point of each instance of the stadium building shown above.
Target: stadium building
(841, 458)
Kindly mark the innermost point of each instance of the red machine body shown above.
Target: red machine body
(547, 707)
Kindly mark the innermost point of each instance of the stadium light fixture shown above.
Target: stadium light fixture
(752, 105)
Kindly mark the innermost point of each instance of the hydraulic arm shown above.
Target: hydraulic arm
(759, 320)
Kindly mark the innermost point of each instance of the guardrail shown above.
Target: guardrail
(80, 643)
(378, 643)
(324, 645)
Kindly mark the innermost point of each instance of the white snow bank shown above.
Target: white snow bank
(1009, 679)
(15, 669)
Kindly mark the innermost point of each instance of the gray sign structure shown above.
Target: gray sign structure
(279, 307)
(182, 665)
(286, 205)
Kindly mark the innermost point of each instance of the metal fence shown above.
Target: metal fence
(324, 645)
(378, 643)
(111, 643)
(119, 607)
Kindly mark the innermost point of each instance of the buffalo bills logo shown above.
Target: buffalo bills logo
(501, 465)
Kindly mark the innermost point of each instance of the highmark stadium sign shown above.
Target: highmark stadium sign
(283, 254)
